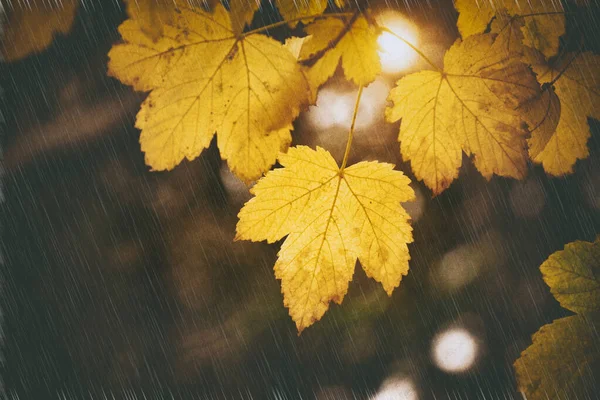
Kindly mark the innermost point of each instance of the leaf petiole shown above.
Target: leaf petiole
(351, 132)
(280, 23)
(542, 14)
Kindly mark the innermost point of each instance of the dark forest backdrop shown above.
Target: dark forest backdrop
(120, 279)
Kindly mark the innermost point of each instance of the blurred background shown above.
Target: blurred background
(127, 283)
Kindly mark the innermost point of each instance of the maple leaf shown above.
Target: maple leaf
(541, 31)
(558, 117)
(331, 217)
(470, 106)
(32, 26)
(562, 362)
(565, 356)
(573, 276)
(351, 41)
(205, 79)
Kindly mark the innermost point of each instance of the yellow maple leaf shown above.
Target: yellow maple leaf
(470, 106)
(351, 41)
(32, 26)
(558, 117)
(564, 356)
(292, 10)
(541, 31)
(573, 275)
(331, 217)
(204, 79)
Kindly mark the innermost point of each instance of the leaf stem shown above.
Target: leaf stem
(562, 71)
(542, 14)
(280, 23)
(351, 132)
(313, 58)
(409, 44)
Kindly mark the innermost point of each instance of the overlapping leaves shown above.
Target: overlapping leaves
(543, 22)
(564, 358)
(470, 106)
(208, 74)
(559, 115)
(205, 79)
(351, 41)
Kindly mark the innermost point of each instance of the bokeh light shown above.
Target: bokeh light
(397, 389)
(394, 53)
(527, 199)
(454, 350)
(459, 267)
(334, 108)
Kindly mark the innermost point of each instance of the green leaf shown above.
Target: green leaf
(573, 275)
(563, 362)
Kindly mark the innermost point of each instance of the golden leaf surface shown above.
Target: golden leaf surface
(544, 22)
(205, 79)
(573, 275)
(558, 118)
(563, 361)
(331, 217)
(242, 13)
(32, 26)
(351, 41)
(470, 106)
(291, 10)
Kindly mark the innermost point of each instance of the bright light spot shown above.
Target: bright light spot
(397, 389)
(332, 109)
(454, 350)
(372, 104)
(335, 108)
(395, 54)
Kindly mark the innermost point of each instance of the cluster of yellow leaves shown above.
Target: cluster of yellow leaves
(498, 98)
(206, 75)
(558, 115)
(31, 26)
(564, 358)
(351, 42)
(471, 106)
(205, 78)
(331, 216)
(560, 129)
(543, 24)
